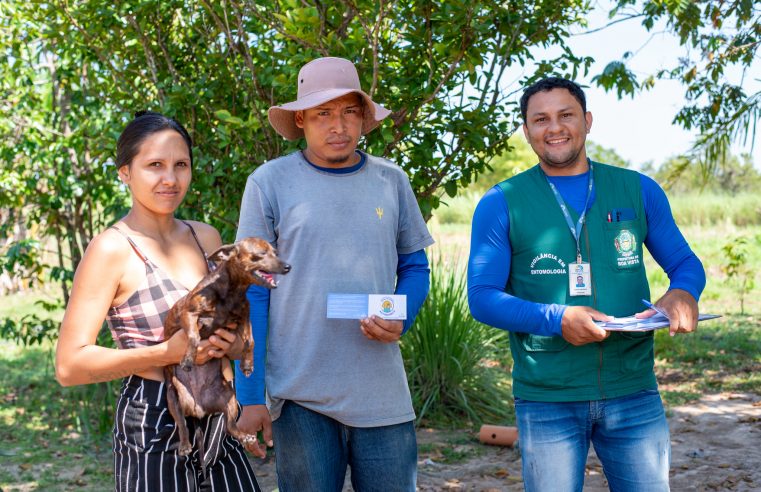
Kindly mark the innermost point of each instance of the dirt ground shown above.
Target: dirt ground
(716, 445)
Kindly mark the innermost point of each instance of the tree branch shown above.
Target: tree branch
(598, 29)
(274, 25)
(90, 41)
(243, 49)
(149, 55)
(402, 116)
(167, 58)
(376, 32)
(348, 17)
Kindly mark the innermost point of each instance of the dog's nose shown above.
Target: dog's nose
(286, 268)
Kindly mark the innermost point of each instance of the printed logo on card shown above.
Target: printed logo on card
(387, 306)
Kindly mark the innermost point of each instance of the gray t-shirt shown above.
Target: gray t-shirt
(342, 233)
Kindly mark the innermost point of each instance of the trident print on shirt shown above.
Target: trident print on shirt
(379, 211)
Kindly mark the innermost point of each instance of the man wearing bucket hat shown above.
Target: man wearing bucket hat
(349, 223)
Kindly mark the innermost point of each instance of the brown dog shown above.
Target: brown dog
(218, 301)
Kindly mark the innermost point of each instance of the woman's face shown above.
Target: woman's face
(159, 175)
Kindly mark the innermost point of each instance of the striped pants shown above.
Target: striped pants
(146, 443)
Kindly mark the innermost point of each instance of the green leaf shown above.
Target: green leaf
(451, 188)
(223, 115)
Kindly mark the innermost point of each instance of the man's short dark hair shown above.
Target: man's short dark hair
(548, 84)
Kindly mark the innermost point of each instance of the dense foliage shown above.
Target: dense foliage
(73, 72)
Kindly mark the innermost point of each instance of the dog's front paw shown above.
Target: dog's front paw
(187, 363)
(246, 369)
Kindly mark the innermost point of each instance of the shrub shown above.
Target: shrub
(452, 360)
(737, 269)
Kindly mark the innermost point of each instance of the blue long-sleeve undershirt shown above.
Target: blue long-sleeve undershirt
(412, 280)
(490, 257)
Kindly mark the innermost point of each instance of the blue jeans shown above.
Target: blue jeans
(630, 435)
(312, 452)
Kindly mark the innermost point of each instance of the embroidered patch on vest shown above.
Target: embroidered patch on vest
(626, 247)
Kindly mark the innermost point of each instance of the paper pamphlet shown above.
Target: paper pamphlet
(360, 306)
(630, 323)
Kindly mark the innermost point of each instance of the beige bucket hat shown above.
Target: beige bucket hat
(322, 80)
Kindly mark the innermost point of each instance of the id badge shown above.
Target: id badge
(580, 279)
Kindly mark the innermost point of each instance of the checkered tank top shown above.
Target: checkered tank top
(139, 321)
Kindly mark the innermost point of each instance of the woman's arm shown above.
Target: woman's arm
(96, 282)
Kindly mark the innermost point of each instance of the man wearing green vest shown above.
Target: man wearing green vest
(555, 249)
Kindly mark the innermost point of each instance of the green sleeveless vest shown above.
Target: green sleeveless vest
(549, 368)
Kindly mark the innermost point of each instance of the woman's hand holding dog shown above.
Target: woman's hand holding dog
(382, 330)
(222, 343)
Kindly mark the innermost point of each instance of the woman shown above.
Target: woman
(131, 275)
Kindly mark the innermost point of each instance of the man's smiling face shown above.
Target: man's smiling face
(556, 127)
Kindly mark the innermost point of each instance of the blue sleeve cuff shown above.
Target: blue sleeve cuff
(693, 286)
(413, 280)
(554, 316)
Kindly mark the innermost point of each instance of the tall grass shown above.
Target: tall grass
(452, 360)
(742, 209)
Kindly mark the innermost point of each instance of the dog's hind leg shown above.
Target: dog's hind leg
(199, 437)
(248, 441)
(173, 402)
(247, 362)
(189, 322)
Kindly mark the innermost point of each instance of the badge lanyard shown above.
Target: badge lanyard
(579, 273)
(575, 231)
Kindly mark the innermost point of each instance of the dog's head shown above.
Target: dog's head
(253, 258)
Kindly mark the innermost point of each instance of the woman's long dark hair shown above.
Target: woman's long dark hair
(145, 124)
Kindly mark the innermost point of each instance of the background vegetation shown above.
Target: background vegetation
(73, 72)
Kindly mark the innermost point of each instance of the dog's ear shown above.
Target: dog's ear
(223, 253)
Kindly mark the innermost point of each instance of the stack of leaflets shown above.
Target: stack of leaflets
(657, 321)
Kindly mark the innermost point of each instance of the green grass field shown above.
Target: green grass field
(49, 442)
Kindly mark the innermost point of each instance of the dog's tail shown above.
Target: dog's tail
(198, 437)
